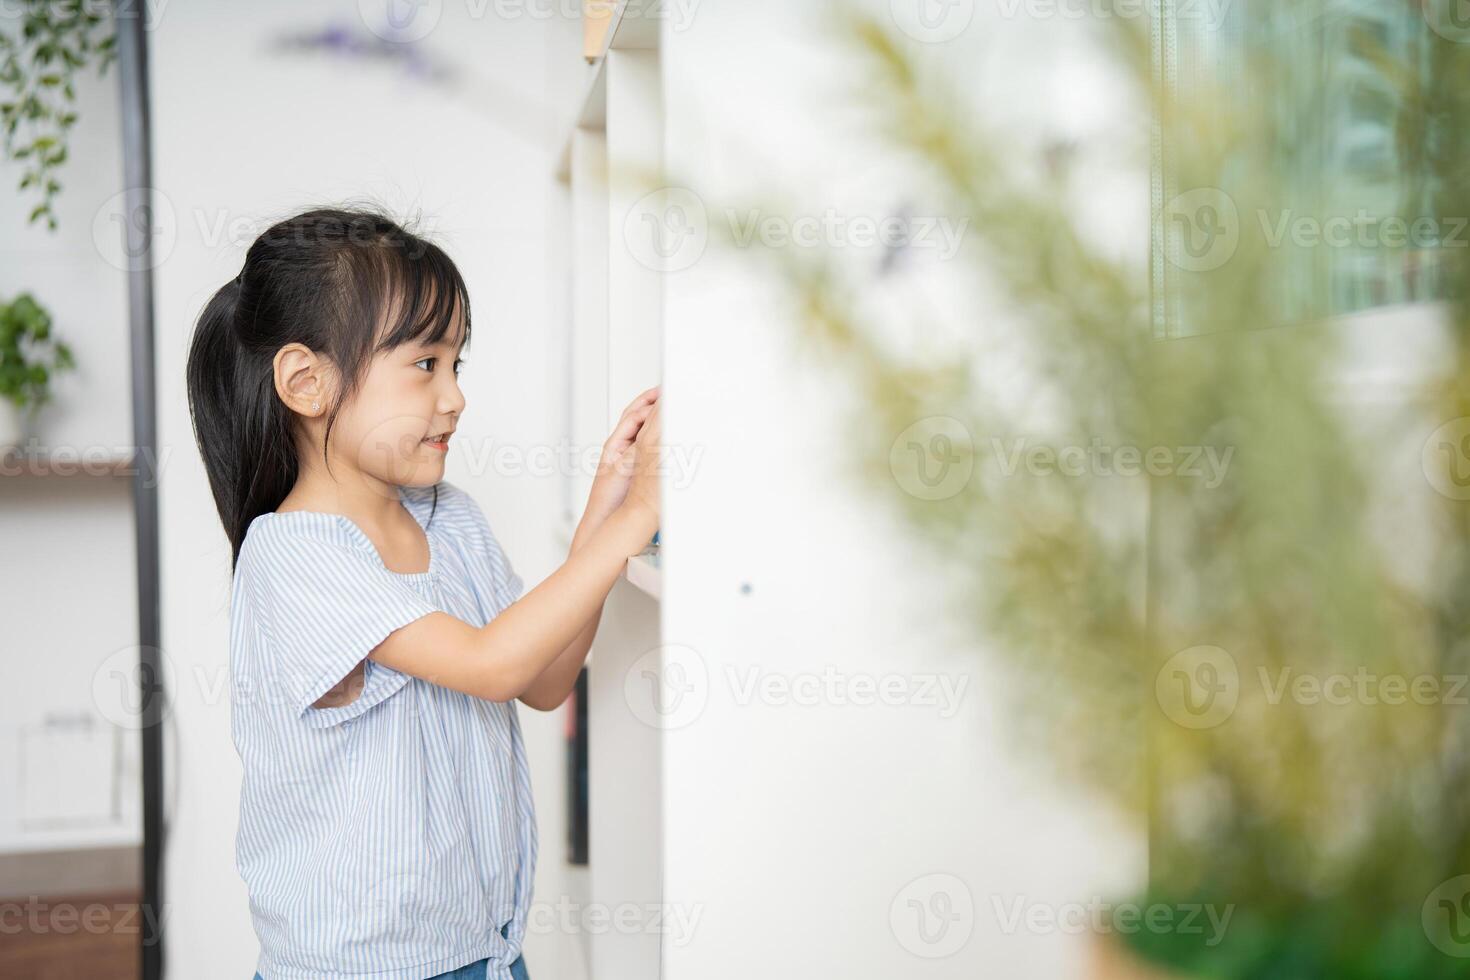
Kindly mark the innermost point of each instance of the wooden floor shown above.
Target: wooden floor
(74, 937)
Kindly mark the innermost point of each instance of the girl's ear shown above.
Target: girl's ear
(301, 378)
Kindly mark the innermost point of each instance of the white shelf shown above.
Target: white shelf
(633, 24)
(645, 573)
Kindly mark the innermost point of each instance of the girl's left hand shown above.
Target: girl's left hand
(615, 467)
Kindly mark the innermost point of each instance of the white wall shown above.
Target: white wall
(808, 832)
(67, 593)
(241, 133)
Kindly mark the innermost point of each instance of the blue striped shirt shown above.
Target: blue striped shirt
(390, 838)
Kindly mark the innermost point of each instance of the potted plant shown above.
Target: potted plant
(30, 356)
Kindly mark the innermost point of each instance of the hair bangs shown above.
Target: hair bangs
(421, 295)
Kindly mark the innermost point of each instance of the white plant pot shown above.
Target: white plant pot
(12, 425)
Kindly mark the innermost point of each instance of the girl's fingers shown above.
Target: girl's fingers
(625, 433)
(628, 426)
(647, 398)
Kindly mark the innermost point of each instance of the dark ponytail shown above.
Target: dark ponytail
(324, 279)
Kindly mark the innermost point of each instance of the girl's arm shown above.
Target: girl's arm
(549, 690)
(501, 660)
(609, 489)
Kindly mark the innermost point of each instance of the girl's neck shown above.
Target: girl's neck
(366, 500)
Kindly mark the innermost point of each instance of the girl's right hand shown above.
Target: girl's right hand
(643, 492)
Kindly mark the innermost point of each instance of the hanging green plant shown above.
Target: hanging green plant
(57, 40)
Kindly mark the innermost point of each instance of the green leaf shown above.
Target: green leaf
(39, 210)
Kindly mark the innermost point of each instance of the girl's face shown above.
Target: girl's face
(396, 426)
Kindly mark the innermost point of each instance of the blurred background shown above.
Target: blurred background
(1063, 569)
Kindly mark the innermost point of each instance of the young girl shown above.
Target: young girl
(378, 635)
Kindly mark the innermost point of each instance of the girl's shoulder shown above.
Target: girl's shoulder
(276, 539)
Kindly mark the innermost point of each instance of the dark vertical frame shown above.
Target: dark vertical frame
(132, 56)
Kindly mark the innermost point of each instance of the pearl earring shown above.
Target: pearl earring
(315, 406)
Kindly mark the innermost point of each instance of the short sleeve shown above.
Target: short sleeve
(326, 603)
(466, 523)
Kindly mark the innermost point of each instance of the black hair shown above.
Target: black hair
(346, 283)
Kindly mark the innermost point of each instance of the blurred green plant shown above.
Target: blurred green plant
(1156, 626)
(38, 99)
(30, 356)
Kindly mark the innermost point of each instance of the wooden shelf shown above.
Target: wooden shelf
(47, 463)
